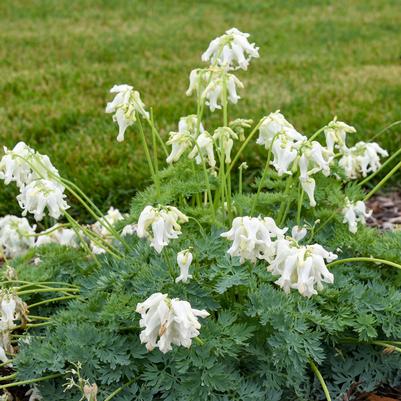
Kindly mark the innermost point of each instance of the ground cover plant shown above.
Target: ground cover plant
(320, 58)
(219, 284)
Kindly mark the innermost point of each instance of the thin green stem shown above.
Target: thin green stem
(5, 363)
(300, 203)
(320, 378)
(384, 165)
(383, 181)
(395, 123)
(156, 133)
(155, 155)
(9, 377)
(118, 391)
(244, 145)
(146, 149)
(284, 204)
(365, 259)
(316, 133)
(47, 301)
(41, 282)
(40, 290)
(23, 382)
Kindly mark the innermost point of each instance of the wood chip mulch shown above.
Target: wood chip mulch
(386, 208)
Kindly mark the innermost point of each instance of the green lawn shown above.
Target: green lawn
(59, 58)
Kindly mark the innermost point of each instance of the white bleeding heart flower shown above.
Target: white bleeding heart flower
(252, 238)
(225, 137)
(23, 165)
(274, 124)
(34, 394)
(41, 194)
(210, 84)
(129, 229)
(298, 233)
(308, 184)
(361, 159)
(203, 146)
(173, 321)
(314, 158)
(231, 50)
(126, 106)
(184, 260)
(354, 213)
(301, 267)
(159, 225)
(336, 134)
(58, 235)
(16, 236)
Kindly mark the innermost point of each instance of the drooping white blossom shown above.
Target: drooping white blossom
(112, 216)
(354, 213)
(58, 235)
(252, 238)
(129, 229)
(184, 260)
(274, 124)
(225, 137)
(336, 134)
(203, 146)
(298, 233)
(90, 391)
(126, 106)
(16, 236)
(231, 50)
(23, 165)
(159, 225)
(41, 194)
(361, 159)
(211, 83)
(183, 139)
(238, 126)
(314, 158)
(168, 322)
(12, 308)
(308, 184)
(301, 267)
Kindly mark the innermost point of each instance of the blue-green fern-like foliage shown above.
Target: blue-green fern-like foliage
(257, 342)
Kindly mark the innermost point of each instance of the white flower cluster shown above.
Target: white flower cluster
(336, 134)
(292, 151)
(231, 50)
(171, 320)
(37, 179)
(211, 84)
(184, 138)
(58, 235)
(252, 238)
(126, 105)
(300, 267)
(16, 236)
(361, 159)
(354, 213)
(12, 308)
(160, 224)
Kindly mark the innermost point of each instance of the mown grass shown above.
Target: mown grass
(59, 59)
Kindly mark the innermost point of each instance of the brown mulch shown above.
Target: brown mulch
(386, 209)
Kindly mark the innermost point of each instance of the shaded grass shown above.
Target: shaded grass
(59, 59)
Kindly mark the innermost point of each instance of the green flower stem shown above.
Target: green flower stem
(155, 154)
(47, 301)
(240, 180)
(156, 133)
(146, 149)
(48, 232)
(382, 182)
(40, 290)
(206, 174)
(300, 203)
(41, 283)
(23, 382)
(38, 317)
(241, 149)
(388, 161)
(5, 363)
(269, 156)
(385, 343)
(316, 133)
(285, 204)
(320, 378)
(9, 377)
(395, 123)
(118, 391)
(365, 259)
(38, 286)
